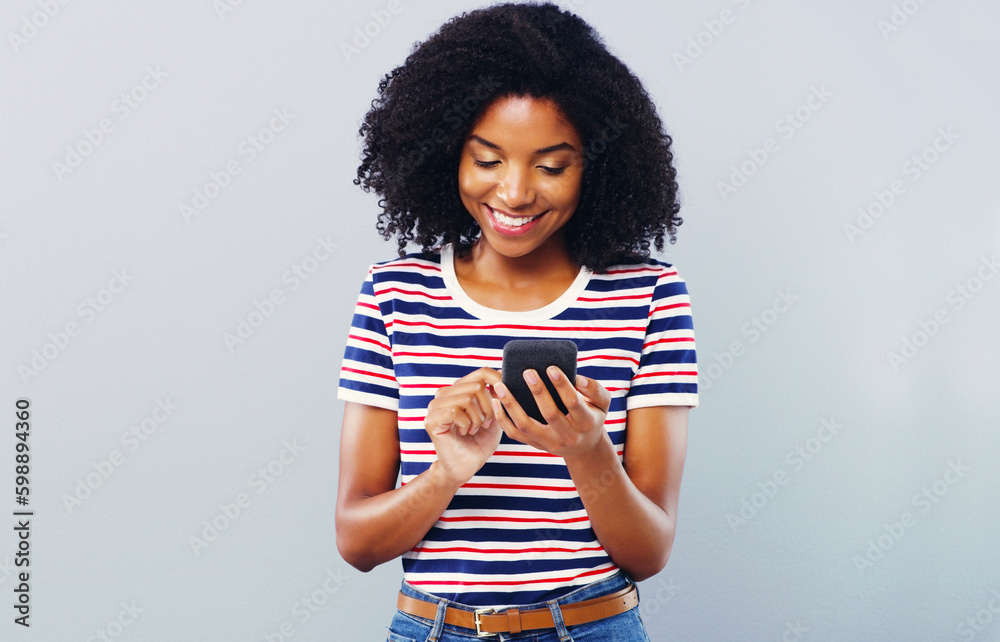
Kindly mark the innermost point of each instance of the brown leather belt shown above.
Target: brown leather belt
(486, 622)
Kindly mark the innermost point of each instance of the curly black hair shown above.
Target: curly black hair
(416, 128)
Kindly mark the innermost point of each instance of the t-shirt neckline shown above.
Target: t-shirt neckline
(480, 311)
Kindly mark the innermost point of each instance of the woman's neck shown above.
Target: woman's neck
(516, 283)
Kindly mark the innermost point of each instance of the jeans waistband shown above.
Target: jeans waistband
(600, 588)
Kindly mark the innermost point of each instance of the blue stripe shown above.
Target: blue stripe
(368, 388)
(515, 535)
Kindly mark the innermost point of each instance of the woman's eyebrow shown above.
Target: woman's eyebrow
(544, 150)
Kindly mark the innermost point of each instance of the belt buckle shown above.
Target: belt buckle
(479, 623)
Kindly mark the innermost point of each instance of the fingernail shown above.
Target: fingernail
(531, 377)
(500, 389)
(582, 381)
(553, 373)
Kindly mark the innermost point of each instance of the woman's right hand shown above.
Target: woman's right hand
(460, 422)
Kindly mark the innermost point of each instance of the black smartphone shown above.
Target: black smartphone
(537, 354)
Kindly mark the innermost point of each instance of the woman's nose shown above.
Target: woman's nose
(515, 188)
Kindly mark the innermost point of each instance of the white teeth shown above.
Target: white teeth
(510, 221)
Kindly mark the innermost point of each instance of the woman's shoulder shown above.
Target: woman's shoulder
(644, 276)
(416, 269)
(414, 261)
(638, 266)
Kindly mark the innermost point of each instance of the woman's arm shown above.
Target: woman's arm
(632, 507)
(377, 522)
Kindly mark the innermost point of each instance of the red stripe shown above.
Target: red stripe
(519, 520)
(624, 297)
(514, 453)
(634, 270)
(609, 358)
(370, 374)
(670, 340)
(443, 355)
(417, 293)
(669, 307)
(595, 571)
(367, 340)
(421, 266)
(507, 326)
(362, 304)
(467, 549)
(508, 453)
(674, 373)
(569, 489)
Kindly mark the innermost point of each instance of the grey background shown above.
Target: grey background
(793, 569)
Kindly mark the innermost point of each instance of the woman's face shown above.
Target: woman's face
(520, 175)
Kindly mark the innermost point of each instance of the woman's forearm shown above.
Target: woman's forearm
(636, 532)
(376, 529)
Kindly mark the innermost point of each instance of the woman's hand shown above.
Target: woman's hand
(576, 433)
(461, 422)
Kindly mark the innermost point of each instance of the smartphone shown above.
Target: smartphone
(537, 354)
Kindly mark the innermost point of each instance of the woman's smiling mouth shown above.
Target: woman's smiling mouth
(509, 225)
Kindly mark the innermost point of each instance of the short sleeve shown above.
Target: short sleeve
(367, 375)
(668, 369)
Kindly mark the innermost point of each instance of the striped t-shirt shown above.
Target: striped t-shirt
(517, 532)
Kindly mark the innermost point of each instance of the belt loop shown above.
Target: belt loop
(557, 619)
(438, 627)
(514, 620)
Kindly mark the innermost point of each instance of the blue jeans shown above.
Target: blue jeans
(624, 627)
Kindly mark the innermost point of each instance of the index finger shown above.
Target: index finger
(489, 375)
(595, 393)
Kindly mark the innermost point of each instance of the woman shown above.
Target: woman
(532, 169)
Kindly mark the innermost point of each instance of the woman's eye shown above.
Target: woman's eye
(553, 171)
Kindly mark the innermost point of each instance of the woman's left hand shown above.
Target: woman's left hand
(575, 433)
